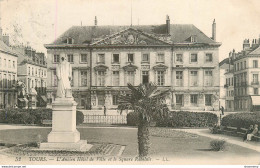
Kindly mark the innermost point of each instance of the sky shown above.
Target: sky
(39, 22)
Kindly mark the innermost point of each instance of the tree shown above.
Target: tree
(148, 102)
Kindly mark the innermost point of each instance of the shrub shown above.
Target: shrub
(241, 120)
(79, 117)
(31, 116)
(132, 119)
(179, 119)
(215, 129)
(188, 119)
(217, 145)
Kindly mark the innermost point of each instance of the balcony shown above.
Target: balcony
(243, 83)
(226, 86)
(255, 83)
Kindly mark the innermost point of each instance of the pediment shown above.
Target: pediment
(130, 67)
(160, 67)
(130, 37)
(100, 68)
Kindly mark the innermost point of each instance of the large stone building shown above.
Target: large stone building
(105, 58)
(8, 74)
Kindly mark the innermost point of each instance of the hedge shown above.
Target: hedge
(241, 120)
(179, 119)
(31, 116)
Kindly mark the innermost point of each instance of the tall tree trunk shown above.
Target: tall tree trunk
(143, 137)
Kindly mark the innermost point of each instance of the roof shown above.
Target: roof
(224, 61)
(180, 33)
(6, 49)
(255, 51)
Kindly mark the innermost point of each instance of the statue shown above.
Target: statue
(64, 73)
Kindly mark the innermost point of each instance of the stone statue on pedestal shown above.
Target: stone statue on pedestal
(64, 74)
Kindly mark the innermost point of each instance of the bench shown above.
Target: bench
(46, 122)
(239, 132)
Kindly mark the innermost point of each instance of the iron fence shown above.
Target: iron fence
(102, 119)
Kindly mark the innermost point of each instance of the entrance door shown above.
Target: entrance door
(145, 76)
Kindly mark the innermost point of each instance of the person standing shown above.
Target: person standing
(105, 111)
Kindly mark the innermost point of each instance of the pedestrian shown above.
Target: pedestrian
(222, 110)
(248, 131)
(254, 132)
(105, 111)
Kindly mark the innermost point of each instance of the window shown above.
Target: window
(160, 78)
(72, 79)
(208, 79)
(255, 91)
(5, 81)
(179, 58)
(241, 65)
(9, 80)
(130, 58)
(56, 58)
(83, 58)
(115, 100)
(255, 63)
(101, 78)
(83, 78)
(160, 57)
(193, 38)
(208, 57)
(255, 78)
(1, 83)
(194, 58)
(193, 78)
(130, 77)
(245, 64)
(5, 63)
(193, 99)
(55, 82)
(115, 58)
(145, 77)
(179, 78)
(208, 100)
(115, 78)
(32, 71)
(70, 58)
(101, 99)
(179, 99)
(101, 58)
(145, 58)
(70, 40)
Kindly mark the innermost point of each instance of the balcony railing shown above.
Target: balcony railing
(255, 83)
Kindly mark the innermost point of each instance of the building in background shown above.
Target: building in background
(246, 77)
(32, 71)
(227, 83)
(105, 58)
(8, 74)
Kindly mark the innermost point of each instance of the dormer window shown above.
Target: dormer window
(70, 40)
(193, 39)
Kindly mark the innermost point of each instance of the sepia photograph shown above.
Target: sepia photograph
(129, 82)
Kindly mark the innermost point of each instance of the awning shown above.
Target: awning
(255, 100)
(44, 98)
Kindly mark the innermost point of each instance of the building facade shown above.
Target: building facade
(32, 71)
(105, 58)
(8, 75)
(246, 77)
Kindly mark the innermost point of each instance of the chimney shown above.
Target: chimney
(254, 43)
(168, 24)
(95, 20)
(246, 44)
(213, 30)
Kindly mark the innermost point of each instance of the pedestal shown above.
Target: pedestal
(64, 135)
